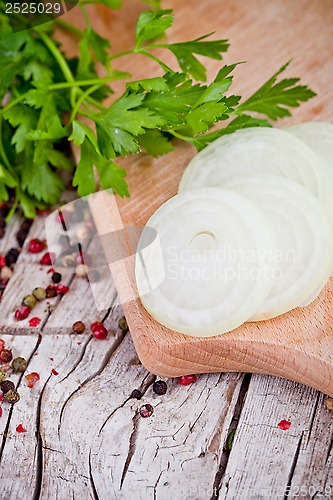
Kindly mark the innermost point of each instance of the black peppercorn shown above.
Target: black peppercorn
(160, 387)
(7, 385)
(146, 410)
(12, 256)
(56, 277)
(21, 236)
(136, 394)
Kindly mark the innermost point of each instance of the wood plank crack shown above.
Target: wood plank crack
(233, 426)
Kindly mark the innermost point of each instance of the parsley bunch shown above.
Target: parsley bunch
(45, 96)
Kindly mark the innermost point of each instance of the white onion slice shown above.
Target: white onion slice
(319, 137)
(256, 151)
(304, 239)
(213, 250)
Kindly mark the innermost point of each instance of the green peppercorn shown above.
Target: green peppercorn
(122, 323)
(29, 301)
(3, 376)
(12, 397)
(7, 385)
(19, 365)
(39, 293)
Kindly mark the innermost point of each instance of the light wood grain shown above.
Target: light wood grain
(296, 345)
(96, 378)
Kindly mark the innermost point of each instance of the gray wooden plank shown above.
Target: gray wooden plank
(264, 458)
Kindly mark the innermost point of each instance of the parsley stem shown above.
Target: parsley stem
(86, 83)
(3, 153)
(83, 96)
(124, 53)
(61, 62)
(68, 27)
(158, 61)
(143, 51)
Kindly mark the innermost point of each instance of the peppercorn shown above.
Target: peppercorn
(78, 327)
(6, 273)
(7, 385)
(160, 387)
(47, 259)
(39, 293)
(122, 323)
(136, 394)
(30, 301)
(81, 271)
(100, 332)
(36, 246)
(329, 404)
(187, 380)
(22, 313)
(146, 410)
(61, 289)
(6, 355)
(3, 376)
(22, 235)
(56, 277)
(12, 256)
(2, 261)
(12, 397)
(51, 291)
(19, 365)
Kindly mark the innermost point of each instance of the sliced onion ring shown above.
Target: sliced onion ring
(212, 249)
(304, 239)
(256, 151)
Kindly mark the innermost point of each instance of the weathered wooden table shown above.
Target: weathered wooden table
(85, 438)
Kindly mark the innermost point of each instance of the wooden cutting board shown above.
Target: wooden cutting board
(297, 345)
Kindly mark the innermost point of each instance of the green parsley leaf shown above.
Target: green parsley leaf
(155, 143)
(151, 25)
(126, 113)
(185, 51)
(273, 99)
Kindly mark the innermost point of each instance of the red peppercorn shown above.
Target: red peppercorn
(2, 261)
(100, 332)
(33, 322)
(284, 425)
(47, 258)
(96, 324)
(32, 378)
(20, 428)
(54, 372)
(22, 313)
(2, 344)
(187, 380)
(61, 289)
(0, 411)
(6, 355)
(36, 246)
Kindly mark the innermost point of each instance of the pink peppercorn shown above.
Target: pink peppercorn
(187, 380)
(22, 313)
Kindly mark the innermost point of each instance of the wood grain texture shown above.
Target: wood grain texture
(296, 345)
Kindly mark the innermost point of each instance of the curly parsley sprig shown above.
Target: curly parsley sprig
(47, 99)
